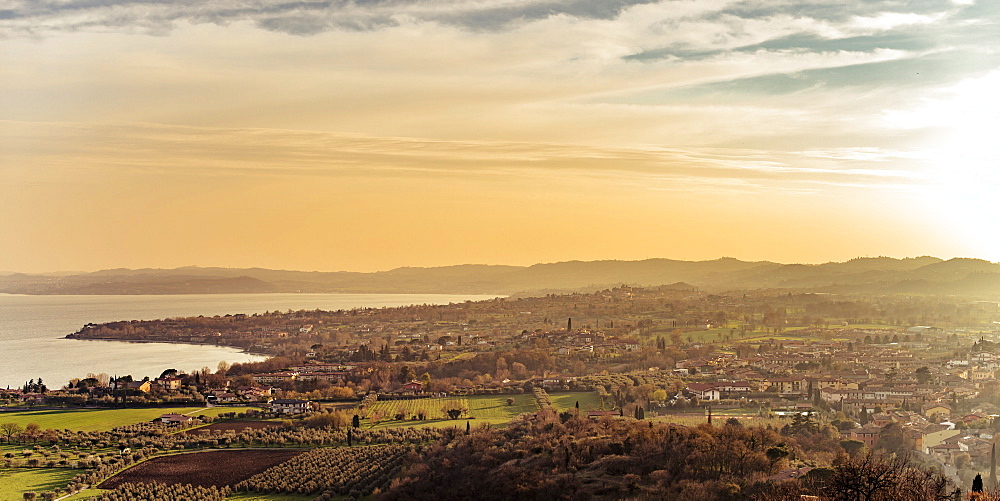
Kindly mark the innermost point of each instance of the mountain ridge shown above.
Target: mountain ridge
(868, 275)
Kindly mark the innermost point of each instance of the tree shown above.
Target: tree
(454, 410)
(10, 430)
(510, 401)
(892, 440)
(852, 447)
(356, 421)
(923, 375)
(32, 431)
(658, 395)
(406, 374)
(880, 477)
(977, 483)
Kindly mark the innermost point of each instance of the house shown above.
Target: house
(255, 392)
(881, 419)
(945, 453)
(275, 377)
(290, 406)
(222, 396)
(788, 385)
(935, 434)
(704, 391)
(867, 434)
(979, 374)
(973, 417)
(933, 408)
(414, 386)
(142, 386)
(169, 383)
(175, 419)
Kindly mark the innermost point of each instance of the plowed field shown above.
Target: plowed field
(216, 468)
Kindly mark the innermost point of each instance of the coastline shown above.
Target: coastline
(153, 341)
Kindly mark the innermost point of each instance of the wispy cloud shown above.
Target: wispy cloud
(198, 151)
(298, 17)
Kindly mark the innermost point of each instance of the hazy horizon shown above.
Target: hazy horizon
(331, 270)
(369, 136)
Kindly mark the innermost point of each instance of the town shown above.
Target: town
(861, 373)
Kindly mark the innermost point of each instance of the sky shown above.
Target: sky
(370, 134)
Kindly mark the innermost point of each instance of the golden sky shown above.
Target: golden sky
(366, 135)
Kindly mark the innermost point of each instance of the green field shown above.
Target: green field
(491, 409)
(15, 482)
(589, 401)
(747, 417)
(86, 494)
(102, 419)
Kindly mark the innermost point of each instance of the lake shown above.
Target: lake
(32, 328)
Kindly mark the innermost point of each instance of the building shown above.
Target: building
(931, 409)
(867, 434)
(275, 377)
(142, 386)
(414, 386)
(704, 391)
(290, 406)
(169, 383)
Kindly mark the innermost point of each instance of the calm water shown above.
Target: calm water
(31, 328)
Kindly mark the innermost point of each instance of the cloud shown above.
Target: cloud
(302, 17)
(47, 148)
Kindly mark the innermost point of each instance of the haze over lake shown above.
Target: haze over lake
(32, 330)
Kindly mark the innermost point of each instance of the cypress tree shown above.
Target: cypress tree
(993, 467)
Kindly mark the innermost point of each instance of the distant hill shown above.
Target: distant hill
(881, 275)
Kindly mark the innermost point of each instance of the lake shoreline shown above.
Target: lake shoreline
(156, 341)
(34, 329)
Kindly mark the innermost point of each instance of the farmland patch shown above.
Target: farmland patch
(213, 468)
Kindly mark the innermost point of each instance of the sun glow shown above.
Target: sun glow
(964, 164)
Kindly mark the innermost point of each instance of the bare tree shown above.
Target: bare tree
(886, 477)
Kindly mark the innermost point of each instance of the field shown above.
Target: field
(14, 483)
(236, 426)
(102, 419)
(719, 417)
(491, 409)
(589, 401)
(202, 468)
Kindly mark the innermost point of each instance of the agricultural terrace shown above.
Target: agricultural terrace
(485, 409)
(103, 419)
